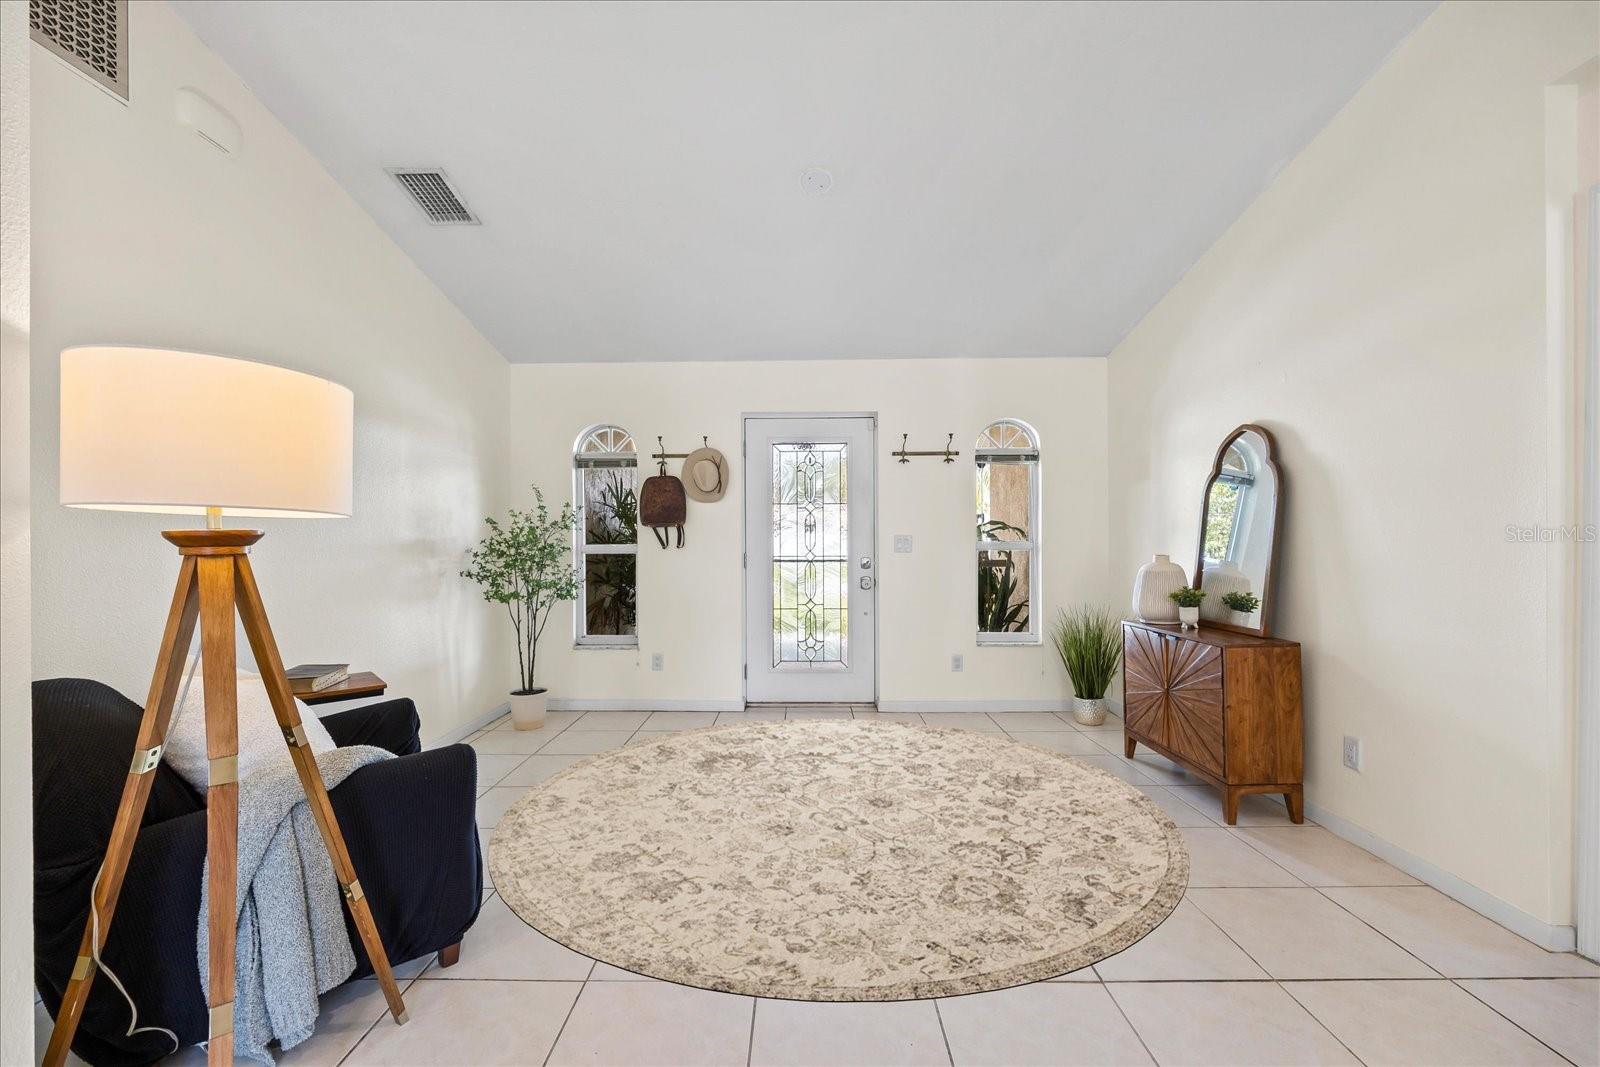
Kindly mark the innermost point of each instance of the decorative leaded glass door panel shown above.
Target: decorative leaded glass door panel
(810, 596)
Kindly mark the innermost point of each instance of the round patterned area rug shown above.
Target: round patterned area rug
(839, 860)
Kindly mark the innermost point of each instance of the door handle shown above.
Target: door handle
(866, 581)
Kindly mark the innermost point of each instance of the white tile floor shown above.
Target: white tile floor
(1291, 946)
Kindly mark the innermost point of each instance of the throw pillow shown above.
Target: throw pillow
(260, 739)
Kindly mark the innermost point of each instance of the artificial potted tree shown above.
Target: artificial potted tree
(1089, 642)
(525, 563)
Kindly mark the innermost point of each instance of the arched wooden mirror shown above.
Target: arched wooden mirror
(1239, 520)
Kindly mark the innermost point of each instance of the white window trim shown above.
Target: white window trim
(582, 461)
(1033, 635)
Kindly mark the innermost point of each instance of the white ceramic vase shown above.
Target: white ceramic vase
(1089, 712)
(1152, 586)
(1221, 579)
(1189, 617)
(527, 709)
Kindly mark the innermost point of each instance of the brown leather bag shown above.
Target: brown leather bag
(662, 504)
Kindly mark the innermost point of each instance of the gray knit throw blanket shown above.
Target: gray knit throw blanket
(292, 945)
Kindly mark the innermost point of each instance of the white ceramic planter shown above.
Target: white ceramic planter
(527, 709)
(1221, 579)
(1089, 712)
(1154, 581)
(1189, 617)
(1242, 618)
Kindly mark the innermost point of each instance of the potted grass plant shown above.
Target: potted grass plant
(1089, 642)
(525, 563)
(1188, 600)
(1243, 605)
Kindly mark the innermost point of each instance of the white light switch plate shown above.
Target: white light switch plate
(902, 542)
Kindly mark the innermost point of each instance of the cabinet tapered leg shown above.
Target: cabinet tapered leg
(130, 809)
(1295, 799)
(265, 648)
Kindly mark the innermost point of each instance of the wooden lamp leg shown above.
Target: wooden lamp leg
(265, 648)
(217, 658)
(130, 809)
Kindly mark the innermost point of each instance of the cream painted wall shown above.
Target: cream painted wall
(689, 599)
(1381, 309)
(16, 670)
(145, 233)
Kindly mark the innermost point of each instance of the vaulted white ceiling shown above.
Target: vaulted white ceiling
(1010, 179)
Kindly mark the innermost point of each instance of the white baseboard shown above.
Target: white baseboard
(936, 707)
(1546, 935)
(640, 704)
(461, 733)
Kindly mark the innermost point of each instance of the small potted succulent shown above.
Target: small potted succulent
(1243, 605)
(1089, 642)
(525, 563)
(1188, 601)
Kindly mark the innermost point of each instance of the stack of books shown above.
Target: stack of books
(315, 677)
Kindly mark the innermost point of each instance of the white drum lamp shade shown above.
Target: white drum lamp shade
(147, 429)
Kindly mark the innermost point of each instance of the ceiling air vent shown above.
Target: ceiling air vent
(438, 199)
(91, 36)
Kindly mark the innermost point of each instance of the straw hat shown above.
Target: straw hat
(705, 475)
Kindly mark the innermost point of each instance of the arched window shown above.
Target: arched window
(1230, 499)
(605, 473)
(1008, 533)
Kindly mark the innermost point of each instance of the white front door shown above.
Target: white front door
(810, 597)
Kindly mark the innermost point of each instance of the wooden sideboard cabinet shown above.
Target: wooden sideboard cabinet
(1225, 705)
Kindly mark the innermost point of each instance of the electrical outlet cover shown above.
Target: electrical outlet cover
(902, 542)
(1352, 753)
(958, 662)
(657, 661)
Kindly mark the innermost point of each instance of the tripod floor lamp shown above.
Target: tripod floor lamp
(146, 429)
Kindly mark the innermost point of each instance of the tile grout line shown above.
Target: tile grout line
(564, 1020)
(351, 1051)
(1326, 1028)
(1457, 983)
(1115, 1003)
(937, 1014)
(1373, 928)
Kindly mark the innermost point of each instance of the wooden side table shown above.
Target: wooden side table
(365, 684)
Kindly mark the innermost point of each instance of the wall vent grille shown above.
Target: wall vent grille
(91, 36)
(433, 193)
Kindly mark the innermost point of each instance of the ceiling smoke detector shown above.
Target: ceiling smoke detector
(816, 179)
(430, 188)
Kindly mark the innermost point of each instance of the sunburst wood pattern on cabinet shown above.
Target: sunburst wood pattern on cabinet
(1224, 705)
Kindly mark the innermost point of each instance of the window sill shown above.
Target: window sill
(1020, 641)
(606, 646)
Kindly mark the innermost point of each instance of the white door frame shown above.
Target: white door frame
(744, 537)
(1587, 794)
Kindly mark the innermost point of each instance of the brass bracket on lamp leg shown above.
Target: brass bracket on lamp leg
(220, 1021)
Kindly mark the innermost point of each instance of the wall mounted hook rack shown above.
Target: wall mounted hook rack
(662, 454)
(904, 455)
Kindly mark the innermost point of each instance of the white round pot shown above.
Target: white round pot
(1150, 588)
(527, 708)
(1242, 618)
(1089, 712)
(1189, 617)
